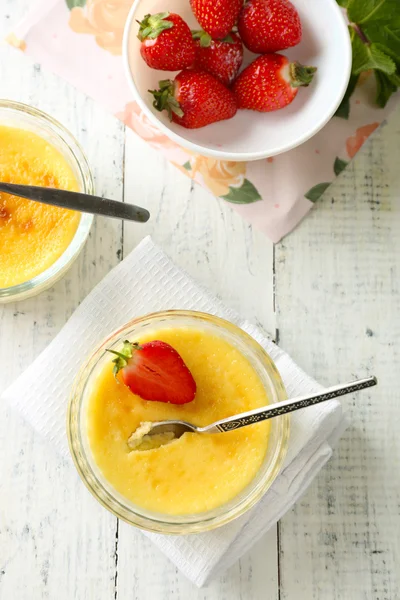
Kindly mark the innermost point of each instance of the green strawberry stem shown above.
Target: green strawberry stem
(300, 75)
(122, 357)
(164, 98)
(152, 25)
(205, 38)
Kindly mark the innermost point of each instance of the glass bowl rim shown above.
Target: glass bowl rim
(49, 276)
(142, 521)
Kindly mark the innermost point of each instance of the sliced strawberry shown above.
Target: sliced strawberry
(155, 371)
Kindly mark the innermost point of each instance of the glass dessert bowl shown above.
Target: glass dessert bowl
(199, 481)
(38, 243)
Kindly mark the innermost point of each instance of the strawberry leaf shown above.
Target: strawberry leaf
(124, 355)
(152, 25)
(205, 38)
(245, 194)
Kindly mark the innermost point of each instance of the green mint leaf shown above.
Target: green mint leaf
(187, 166)
(339, 165)
(344, 109)
(384, 88)
(316, 192)
(343, 3)
(395, 79)
(365, 11)
(369, 56)
(387, 40)
(245, 194)
(75, 3)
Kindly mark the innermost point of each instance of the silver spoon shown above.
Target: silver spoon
(178, 428)
(78, 201)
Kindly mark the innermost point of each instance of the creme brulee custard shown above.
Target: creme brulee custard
(32, 235)
(197, 472)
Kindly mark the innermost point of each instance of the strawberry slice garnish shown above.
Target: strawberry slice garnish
(155, 371)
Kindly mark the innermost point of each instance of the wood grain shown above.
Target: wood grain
(55, 540)
(337, 298)
(338, 306)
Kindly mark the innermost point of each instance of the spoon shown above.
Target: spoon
(78, 201)
(178, 428)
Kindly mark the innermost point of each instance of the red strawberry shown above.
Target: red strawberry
(269, 25)
(167, 42)
(221, 58)
(270, 83)
(194, 99)
(216, 17)
(155, 371)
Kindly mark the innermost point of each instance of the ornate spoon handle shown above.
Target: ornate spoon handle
(281, 408)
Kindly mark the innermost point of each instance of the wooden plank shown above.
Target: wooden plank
(55, 540)
(217, 248)
(338, 306)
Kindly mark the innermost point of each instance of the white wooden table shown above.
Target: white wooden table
(331, 294)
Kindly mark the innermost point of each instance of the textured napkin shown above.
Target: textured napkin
(148, 281)
(81, 40)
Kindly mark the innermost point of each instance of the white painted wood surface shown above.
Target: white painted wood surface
(337, 300)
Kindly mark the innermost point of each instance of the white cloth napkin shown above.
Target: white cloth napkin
(148, 281)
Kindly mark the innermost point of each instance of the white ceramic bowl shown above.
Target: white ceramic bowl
(252, 135)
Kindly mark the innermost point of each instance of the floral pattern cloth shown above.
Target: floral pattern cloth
(81, 40)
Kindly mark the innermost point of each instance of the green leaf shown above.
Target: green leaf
(316, 192)
(395, 79)
(344, 109)
(367, 57)
(245, 194)
(187, 166)
(384, 88)
(343, 3)
(339, 165)
(385, 39)
(75, 3)
(205, 38)
(365, 11)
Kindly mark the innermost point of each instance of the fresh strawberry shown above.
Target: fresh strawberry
(269, 25)
(194, 99)
(155, 371)
(167, 42)
(270, 82)
(217, 17)
(221, 58)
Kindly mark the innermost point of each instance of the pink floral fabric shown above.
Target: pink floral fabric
(81, 41)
